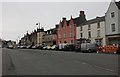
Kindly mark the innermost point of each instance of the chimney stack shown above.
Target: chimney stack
(64, 18)
(82, 13)
(56, 26)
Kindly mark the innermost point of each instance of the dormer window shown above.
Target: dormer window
(112, 14)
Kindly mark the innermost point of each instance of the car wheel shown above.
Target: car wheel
(89, 51)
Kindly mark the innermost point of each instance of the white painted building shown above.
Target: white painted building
(93, 30)
(112, 19)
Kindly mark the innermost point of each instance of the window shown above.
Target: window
(81, 28)
(64, 27)
(98, 25)
(60, 35)
(64, 34)
(89, 34)
(70, 26)
(70, 34)
(98, 33)
(113, 27)
(99, 42)
(112, 14)
(89, 27)
(71, 42)
(81, 35)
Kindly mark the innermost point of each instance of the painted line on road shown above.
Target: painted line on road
(104, 68)
(97, 67)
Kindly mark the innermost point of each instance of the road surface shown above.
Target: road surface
(48, 62)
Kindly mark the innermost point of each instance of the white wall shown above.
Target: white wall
(93, 32)
(109, 20)
(119, 21)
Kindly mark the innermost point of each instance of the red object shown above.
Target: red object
(66, 32)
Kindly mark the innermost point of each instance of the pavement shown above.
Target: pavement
(45, 62)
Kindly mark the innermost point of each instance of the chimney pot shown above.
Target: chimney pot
(64, 18)
(82, 13)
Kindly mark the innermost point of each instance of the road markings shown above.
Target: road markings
(104, 68)
(97, 66)
(83, 63)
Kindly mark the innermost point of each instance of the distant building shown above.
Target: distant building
(66, 29)
(54, 36)
(29, 39)
(92, 31)
(40, 33)
(112, 19)
(47, 37)
(33, 38)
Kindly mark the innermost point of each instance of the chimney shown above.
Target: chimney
(82, 13)
(56, 26)
(82, 17)
(64, 18)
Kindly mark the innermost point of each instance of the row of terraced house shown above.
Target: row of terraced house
(103, 30)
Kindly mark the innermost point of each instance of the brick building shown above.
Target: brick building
(66, 29)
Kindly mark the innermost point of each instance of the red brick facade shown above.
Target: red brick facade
(66, 29)
(66, 32)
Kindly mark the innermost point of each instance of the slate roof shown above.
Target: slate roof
(118, 4)
(79, 20)
(95, 20)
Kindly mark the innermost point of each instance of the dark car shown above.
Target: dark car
(70, 47)
(78, 48)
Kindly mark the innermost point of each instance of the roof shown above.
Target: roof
(79, 20)
(118, 4)
(95, 20)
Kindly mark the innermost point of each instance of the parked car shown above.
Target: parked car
(86, 47)
(40, 46)
(29, 47)
(44, 47)
(10, 46)
(49, 47)
(23, 47)
(70, 47)
(78, 47)
(18, 47)
(53, 47)
(34, 47)
(62, 46)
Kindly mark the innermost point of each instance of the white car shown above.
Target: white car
(53, 47)
(45, 47)
(48, 47)
(10, 46)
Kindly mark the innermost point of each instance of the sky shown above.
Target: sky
(21, 16)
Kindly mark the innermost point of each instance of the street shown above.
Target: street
(48, 62)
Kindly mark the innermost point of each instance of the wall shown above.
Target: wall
(109, 20)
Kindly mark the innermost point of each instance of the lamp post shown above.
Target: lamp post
(39, 32)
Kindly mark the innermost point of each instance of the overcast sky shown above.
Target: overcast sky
(20, 17)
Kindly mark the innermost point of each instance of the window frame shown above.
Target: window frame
(113, 27)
